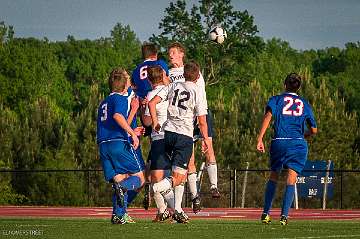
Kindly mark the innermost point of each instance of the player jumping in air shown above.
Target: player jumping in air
(186, 101)
(159, 163)
(288, 150)
(119, 160)
(176, 53)
(142, 87)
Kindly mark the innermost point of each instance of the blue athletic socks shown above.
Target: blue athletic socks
(269, 195)
(119, 211)
(288, 199)
(131, 183)
(131, 195)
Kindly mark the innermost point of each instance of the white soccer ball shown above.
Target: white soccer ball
(217, 35)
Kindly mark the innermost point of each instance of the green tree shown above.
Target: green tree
(191, 28)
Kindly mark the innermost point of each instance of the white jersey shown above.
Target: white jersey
(161, 112)
(185, 102)
(177, 75)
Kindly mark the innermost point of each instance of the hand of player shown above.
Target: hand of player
(139, 131)
(205, 145)
(134, 103)
(260, 146)
(157, 127)
(144, 102)
(136, 142)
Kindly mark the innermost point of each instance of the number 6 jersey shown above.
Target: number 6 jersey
(291, 113)
(186, 101)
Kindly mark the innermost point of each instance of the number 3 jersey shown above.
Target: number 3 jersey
(107, 127)
(186, 101)
(291, 115)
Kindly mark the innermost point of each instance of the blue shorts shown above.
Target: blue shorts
(159, 160)
(288, 153)
(179, 148)
(119, 157)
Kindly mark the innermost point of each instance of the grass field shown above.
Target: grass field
(101, 228)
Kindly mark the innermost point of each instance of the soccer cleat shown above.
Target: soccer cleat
(120, 194)
(283, 220)
(162, 217)
(215, 192)
(147, 200)
(196, 204)
(128, 219)
(115, 219)
(180, 217)
(265, 218)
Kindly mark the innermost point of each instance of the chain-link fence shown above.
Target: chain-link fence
(238, 187)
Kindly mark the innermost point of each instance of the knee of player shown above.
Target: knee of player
(119, 177)
(178, 176)
(291, 177)
(191, 168)
(157, 175)
(274, 176)
(141, 178)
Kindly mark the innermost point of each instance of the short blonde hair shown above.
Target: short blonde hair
(178, 46)
(118, 79)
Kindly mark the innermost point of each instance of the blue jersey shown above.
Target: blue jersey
(291, 113)
(107, 127)
(140, 79)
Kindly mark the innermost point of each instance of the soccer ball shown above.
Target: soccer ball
(217, 35)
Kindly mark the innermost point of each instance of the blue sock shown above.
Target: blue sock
(131, 183)
(269, 195)
(119, 211)
(288, 199)
(131, 195)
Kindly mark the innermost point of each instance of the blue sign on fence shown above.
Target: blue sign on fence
(310, 183)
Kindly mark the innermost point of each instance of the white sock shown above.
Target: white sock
(162, 186)
(170, 199)
(212, 172)
(160, 202)
(192, 184)
(179, 192)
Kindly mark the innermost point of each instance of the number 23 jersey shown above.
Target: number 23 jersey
(185, 102)
(291, 113)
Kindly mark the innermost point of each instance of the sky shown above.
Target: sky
(305, 24)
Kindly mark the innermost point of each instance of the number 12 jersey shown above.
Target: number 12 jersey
(186, 100)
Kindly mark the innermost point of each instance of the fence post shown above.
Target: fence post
(326, 184)
(88, 184)
(231, 188)
(187, 191)
(235, 186)
(296, 198)
(341, 189)
(244, 185)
